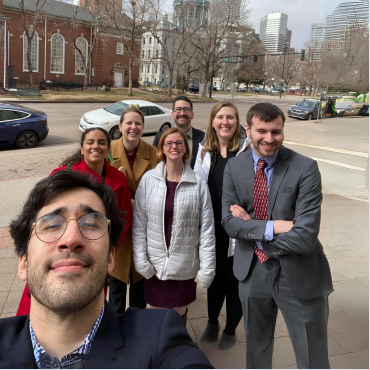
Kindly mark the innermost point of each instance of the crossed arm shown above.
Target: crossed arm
(298, 235)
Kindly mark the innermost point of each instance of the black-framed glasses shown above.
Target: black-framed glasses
(51, 227)
(169, 144)
(179, 109)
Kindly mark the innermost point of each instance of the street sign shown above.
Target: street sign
(227, 60)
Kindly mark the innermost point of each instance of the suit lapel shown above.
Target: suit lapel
(249, 172)
(108, 342)
(141, 163)
(20, 353)
(280, 168)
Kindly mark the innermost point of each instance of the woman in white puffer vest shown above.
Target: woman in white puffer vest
(225, 138)
(173, 228)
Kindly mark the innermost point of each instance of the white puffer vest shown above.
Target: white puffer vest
(191, 253)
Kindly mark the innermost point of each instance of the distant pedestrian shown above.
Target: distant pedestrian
(225, 139)
(172, 231)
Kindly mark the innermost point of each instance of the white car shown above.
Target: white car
(157, 118)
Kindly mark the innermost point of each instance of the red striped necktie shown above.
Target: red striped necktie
(260, 200)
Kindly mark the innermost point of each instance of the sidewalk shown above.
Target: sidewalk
(344, 235)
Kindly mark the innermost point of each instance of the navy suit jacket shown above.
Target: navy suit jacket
(137, 339)
(198, 136)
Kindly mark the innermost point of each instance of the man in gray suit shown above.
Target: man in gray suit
(271, 206)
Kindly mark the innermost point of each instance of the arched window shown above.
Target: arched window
(57, 53)
(80, 66)
(34, 52)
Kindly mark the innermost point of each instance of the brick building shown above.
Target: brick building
(53, 54)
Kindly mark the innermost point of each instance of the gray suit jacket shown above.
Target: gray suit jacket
(295, 195)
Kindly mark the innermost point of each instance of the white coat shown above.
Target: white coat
(191, 253)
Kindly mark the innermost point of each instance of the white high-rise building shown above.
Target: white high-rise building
(346, 16)
(273, 31)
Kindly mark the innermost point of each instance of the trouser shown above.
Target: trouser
(117, 294)
(225, 285)
(264, 291)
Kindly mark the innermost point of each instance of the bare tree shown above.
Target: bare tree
(95, 12)
(171, 37)
(30, 20)
(217, 37)
(128, 18)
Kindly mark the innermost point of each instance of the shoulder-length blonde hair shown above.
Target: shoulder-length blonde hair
(212, 144)
(173, 130)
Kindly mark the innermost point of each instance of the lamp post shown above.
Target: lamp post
(166, 80)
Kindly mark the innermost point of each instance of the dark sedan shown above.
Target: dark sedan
(193, 89)
(21, 127)
(306, 109)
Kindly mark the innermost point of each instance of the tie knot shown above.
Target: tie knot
(261, 164)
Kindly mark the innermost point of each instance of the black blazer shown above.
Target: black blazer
(137, 339)
(198, 136)
(295, 195)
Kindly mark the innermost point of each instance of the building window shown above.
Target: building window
(162, 70)
(156, 68)
(142, 68)
(148, 68)
(148, 53)
(143, 40)
(157, 53)
(80, 66)
(143, 54)
(57, 53)
(34, 52)
(165, 40)
(119, 48)
(150, 40)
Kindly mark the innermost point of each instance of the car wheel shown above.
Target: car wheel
(310, 117)
(165, 127)
(115, 133)
(26, 140)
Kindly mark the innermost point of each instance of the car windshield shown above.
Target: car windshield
(116, 108)
(307, 104)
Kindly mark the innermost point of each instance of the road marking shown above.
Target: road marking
(341, 151)
(339, 164)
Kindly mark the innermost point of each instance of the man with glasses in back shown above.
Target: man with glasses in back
(65, 238)
(182, 114)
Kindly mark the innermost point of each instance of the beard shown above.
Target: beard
(67, 294)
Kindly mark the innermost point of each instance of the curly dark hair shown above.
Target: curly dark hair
(184, 98)
(46, 190)
(76, 157)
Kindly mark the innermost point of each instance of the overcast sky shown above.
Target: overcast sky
(301, 14)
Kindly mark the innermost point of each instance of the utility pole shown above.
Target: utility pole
(282, 75)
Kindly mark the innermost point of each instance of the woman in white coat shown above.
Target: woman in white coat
(173, 228)
(225, 138)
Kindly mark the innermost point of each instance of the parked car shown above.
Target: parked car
(193, 89)
(350, 108)
(306, 109)
(257, 90)
(21, 127)
(216, 88)
(157, 118)
(242, 89)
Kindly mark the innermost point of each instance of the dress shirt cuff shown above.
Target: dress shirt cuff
(269, 231)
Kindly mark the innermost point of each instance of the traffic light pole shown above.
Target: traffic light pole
(226, 59)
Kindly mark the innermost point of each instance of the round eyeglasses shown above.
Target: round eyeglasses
(51, 227)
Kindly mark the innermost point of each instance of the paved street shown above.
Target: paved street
(340, 147)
